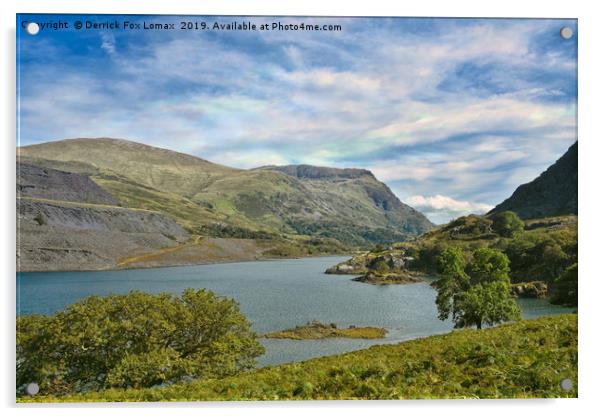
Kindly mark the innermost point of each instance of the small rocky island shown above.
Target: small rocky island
(389, 278)
(381, 267)
(319, 330)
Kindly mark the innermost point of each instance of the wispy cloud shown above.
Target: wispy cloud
(108, 42)
(464, 109)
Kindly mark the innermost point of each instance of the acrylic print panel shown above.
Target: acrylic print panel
(350, 208)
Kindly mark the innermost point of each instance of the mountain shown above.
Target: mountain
(355, 194)
(146, 165)
(221, 213)
(553, 193)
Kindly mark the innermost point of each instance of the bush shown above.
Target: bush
(40, 219)
(507, 224)
(134, 340)
(566, 290)
(379, 265)
(541, 255)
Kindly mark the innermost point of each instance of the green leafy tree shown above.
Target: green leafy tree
(454, 281)
(507, 223)
(566, 287)
(541, 254)
(479, 297)
(134, 340)
(489, 265)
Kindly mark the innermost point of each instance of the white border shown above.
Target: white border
(589, 200)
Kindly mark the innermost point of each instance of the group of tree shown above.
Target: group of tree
(134, 340)
(477, 292)
(537, 252)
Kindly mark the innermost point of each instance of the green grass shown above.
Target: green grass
(318, 330)
(519, 360)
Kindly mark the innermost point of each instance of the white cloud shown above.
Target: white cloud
(108, 42)
(441, 208)
(311, 98)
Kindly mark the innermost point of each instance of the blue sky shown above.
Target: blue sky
(453, 114)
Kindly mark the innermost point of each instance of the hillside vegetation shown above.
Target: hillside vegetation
(519, 360)
(283, 211)
(203, 196)
(540, 252)
(134, 340)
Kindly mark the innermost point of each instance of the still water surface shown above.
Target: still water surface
(274, 295)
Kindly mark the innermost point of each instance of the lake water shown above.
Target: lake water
(274, 295)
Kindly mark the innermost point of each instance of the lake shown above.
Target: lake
(274, 295)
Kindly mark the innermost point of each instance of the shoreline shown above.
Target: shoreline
(185, 264)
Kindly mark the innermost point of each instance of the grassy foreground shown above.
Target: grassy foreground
(519, 360)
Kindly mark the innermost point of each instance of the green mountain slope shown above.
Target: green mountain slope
(161, 169)
(210, 199)
(358, 195)
(553, 193)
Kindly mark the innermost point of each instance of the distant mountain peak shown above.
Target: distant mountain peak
(552, 193)
(319, 172)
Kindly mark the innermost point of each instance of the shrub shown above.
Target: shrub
(566, 290)
(134, 340)
(507, 224)
(40, 219)
(541, 255)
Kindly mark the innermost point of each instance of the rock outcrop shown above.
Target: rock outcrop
(55, 236)
(536, 289)
(46, 183)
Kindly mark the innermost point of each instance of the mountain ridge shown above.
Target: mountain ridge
(293, 210)
(305, 171)
(552, 193)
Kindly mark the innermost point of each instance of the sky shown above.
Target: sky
(452, 114)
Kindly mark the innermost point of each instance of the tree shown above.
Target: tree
(507, 223)
(454, 280)
(489, 265)
(541, 254)
(566, 289)
(479, 297)
(134, 340)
